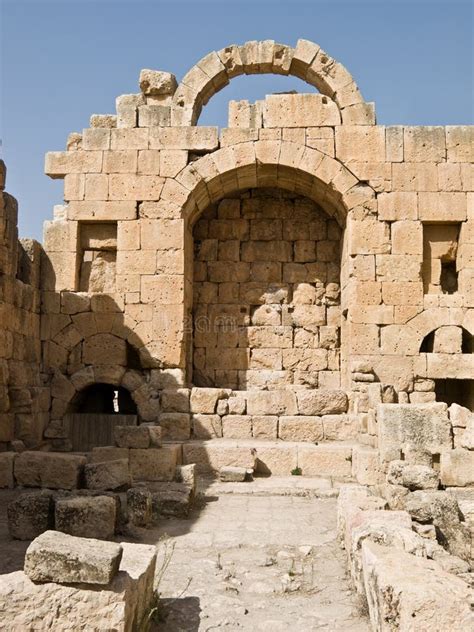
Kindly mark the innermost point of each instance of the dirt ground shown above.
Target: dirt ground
(251, 557)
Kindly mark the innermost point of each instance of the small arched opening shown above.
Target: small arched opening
(104, 399)
(95, 411)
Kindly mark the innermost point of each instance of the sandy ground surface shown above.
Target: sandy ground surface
(257, 558)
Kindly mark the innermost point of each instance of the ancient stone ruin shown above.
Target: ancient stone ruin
(292, 295)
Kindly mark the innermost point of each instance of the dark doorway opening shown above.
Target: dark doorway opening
(104, 399)
(455, 392)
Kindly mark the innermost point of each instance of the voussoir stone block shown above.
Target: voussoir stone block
(62, 558)
(48, 469)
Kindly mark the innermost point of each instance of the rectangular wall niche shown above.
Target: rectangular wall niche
(98, 257)
(440, 247)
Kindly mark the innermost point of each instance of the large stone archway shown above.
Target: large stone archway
(306, 61)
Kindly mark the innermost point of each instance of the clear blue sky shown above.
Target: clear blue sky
(64, 60)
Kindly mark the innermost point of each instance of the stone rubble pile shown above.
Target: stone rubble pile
(108, 501)
(72, 583)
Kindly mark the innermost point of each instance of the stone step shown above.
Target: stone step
(278, 458)
(302, 486)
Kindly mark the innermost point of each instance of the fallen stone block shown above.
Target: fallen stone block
(395, 495)
(384, 527)
(6, 469)
(442, 510)
(121, 606)
(86, 517)
(139, 506)
(405, 592)
(155, 465)
(107, 453)
(412, 476)
(170, 499)
(62, 558)
(49, 469)
(233, 474)
(457, 468)
(138, 562)
(132, 436)
(107, 475)
(29, 515)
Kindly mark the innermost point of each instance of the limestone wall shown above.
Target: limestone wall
(24, 402)
(139, 184)
(266, 293)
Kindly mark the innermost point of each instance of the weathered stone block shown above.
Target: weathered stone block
(86, 517)
(400, 586)
(318, 402)
(299, 110)
(232, 474)
(265, 426)
(278, 402)
(139, 506)
(132, 436)
(276, 458)
(300, 428)
(121, 606)
(207, 426)
(107, 475)
(62, 558)
(29, 515)
(48, 469)
(154, 465)
(102, 454)
(325, 460)
(412, 476)
(237, 426)
(424, 426)
(457, 467)
(6, 469)
(175, 426)
(210, 456)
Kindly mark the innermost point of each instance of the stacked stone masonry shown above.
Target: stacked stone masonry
(304, 248)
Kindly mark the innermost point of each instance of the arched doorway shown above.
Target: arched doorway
(95, 411)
